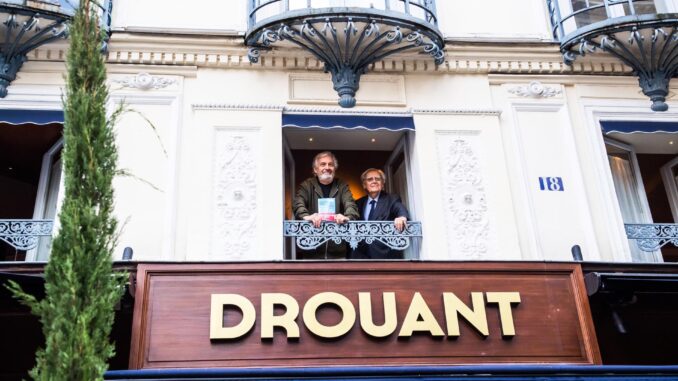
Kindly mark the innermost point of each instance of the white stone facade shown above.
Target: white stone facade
(500, 113)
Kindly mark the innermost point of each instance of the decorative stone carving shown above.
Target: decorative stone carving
(465, 203)
(535, 89)
(235, 195)
(145, 81)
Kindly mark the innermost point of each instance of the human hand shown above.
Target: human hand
(340, 218)
(315, 219)
(400, 223)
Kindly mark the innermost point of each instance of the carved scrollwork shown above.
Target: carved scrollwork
(145, 81)
(24, 234)
(535, 89)
(352, 232)
(235, 194)
(467, 214)
(651, 237)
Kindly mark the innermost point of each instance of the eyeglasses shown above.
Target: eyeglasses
(370, 179)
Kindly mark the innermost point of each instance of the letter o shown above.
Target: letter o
(330, 332)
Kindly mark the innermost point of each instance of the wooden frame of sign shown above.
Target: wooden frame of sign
(360, 313)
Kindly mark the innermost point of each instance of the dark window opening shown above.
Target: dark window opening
(356, 151)
(644, 164)
(23, 150)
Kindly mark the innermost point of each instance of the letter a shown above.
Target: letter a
(418, 308)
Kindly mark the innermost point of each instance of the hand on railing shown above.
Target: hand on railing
(309, 237)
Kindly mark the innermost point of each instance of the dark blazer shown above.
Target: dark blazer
(388, 207)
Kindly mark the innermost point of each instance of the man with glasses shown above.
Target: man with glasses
(379, 206)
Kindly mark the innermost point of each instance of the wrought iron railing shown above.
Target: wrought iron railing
(352, 232)
(25, 234)
(568, 16)
(346, 35)
(261, 10)
(639, 33)
(651, 237)
(63, 7)
(26, 25)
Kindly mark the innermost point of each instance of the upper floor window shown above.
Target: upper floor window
(334, 167)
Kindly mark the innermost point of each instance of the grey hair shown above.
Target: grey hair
(381, 174)
(323, 154)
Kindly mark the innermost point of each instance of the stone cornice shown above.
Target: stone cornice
(339, 111)
(230, 52)
(488, 112)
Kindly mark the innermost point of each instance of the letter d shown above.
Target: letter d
(217, 329)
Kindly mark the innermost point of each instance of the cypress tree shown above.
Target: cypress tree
(81, 289)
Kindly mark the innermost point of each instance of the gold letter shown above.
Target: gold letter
(347, 309)
(390, 317)
(475, 316)
(286, 320)
(217, 329)
(504, 299)
(419, 308)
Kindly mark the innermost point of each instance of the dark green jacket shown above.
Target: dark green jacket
(305, 201)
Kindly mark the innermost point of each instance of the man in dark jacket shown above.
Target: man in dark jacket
(324, 185)
(379, 206)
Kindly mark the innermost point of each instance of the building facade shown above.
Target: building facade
(501, 151)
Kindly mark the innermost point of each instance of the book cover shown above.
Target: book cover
(326, 208)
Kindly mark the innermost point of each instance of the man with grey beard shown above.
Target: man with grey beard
(326, 189)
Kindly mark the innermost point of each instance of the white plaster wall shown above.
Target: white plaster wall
(232, 188)
(494, 19)
(198, 16)
(147, 135)
(231, 181)
(460, 91)
(539, 142)
(449, 232)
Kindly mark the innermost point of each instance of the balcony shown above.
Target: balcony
(23, 236)
(652, 237)
(346, 35)
(308, 237)
(639, 33)
(29, 24)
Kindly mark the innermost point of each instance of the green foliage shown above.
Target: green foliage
(81, 289)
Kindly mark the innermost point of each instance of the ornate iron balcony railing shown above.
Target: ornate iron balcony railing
(637, 32)
(352, 232)
(346, 35)
(651, 237)
(28, 24)
(24, 234)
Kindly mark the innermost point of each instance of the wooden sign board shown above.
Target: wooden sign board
(183, 318)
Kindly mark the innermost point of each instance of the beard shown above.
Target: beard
(326, 176)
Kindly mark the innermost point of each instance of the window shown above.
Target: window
(357, 145)
(30, 177)
(643, 158)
